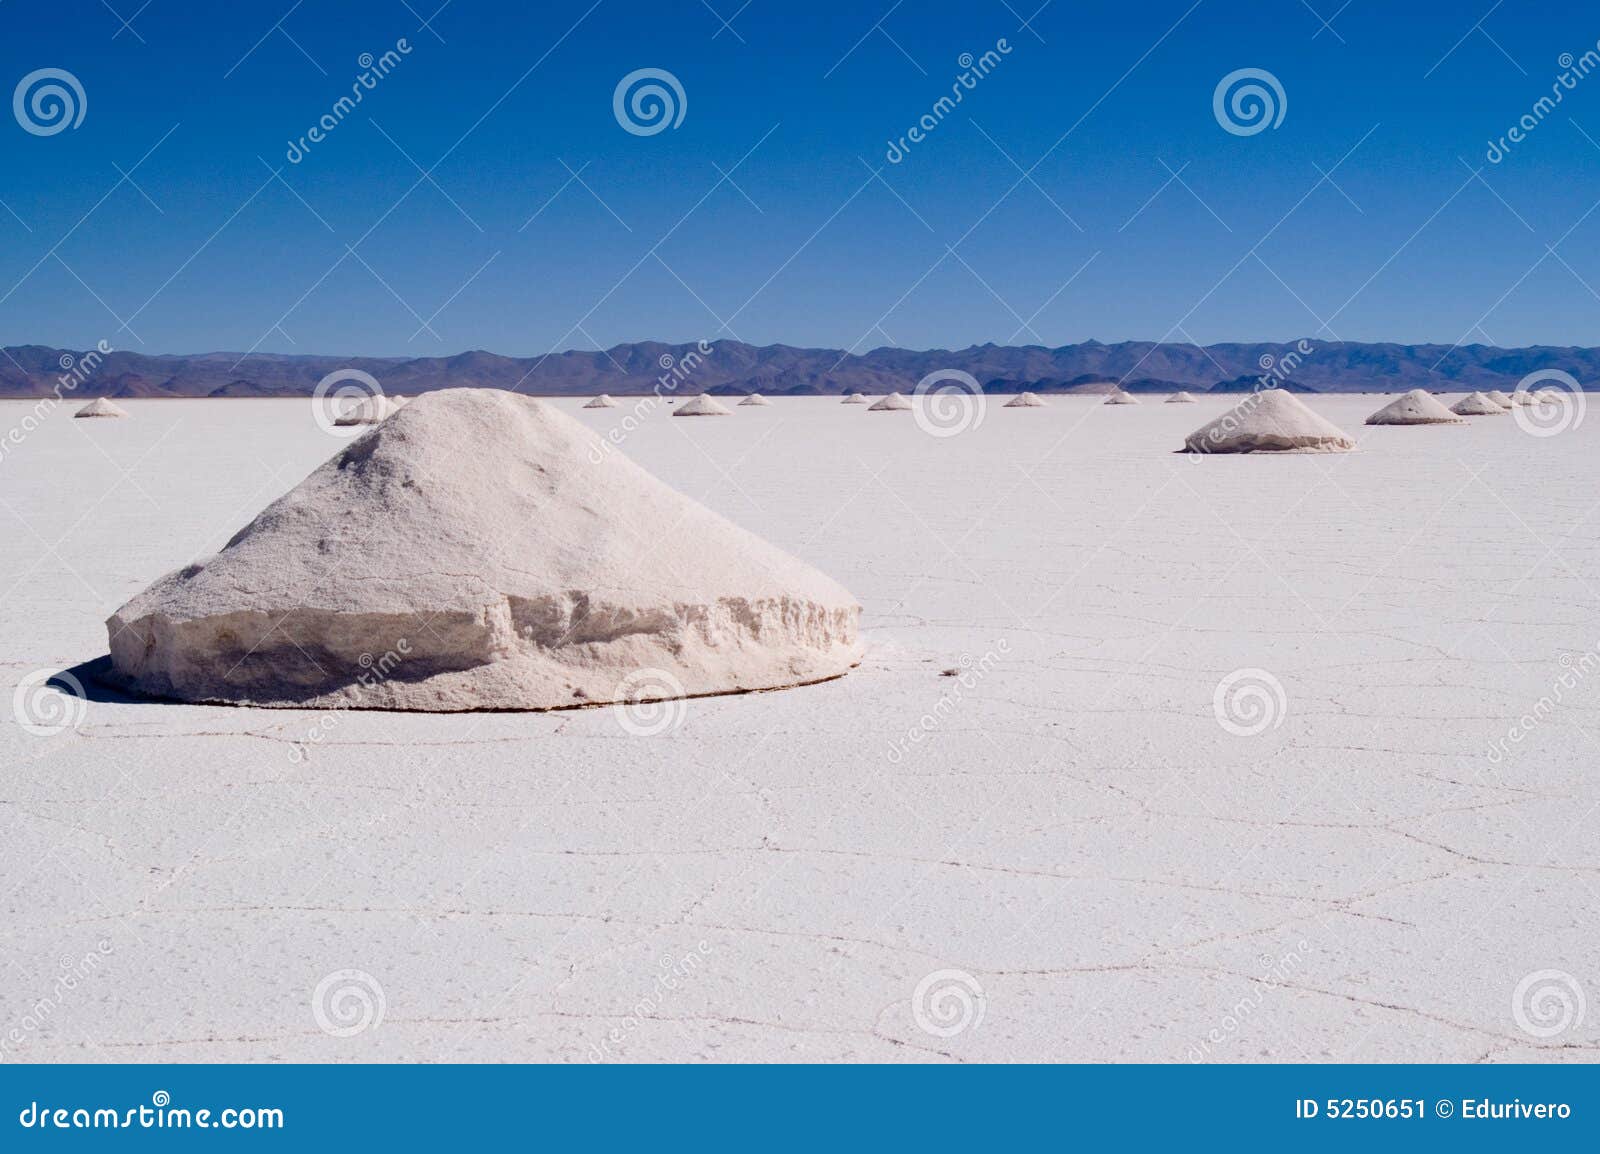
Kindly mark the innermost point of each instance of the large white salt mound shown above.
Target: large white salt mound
(893, 403)
(483, 550)
(1418, 407)
(101, 407)
(702, 405)
(368, 411)
(1500, 399)
(1270, 421)
(1476, 405)
(603, 401)
(755, 399)
(1118, 397)
(1181, 399)
(854, 399)
(1024, 401)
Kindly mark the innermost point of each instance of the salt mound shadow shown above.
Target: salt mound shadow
(482, 550)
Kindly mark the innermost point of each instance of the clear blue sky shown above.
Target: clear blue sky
(1102, 102)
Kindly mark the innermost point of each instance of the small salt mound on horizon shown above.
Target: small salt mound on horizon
(490, 558)
(893, 403)
(603, 401)
(854, 399)
(368, 411)
(1477, 405)
(755, 399)
(1024, 400)
(1418, 407)
(1500, 399)
(1270, 421)
(1118, 397)
(101, 407)
(702, 405)
(1181, 399)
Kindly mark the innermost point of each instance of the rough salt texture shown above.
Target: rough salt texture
(101, 407)
(1370, 878)
(1418, 407)
(1478, 405)
(481, 550)
(1271, 421)
(703, 405)
(893, 403)
(1024, 401)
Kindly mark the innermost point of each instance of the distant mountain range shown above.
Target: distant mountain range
(735, 367)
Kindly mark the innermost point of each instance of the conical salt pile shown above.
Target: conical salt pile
(1522, 397)
(101, 407)
(367, 411)
(603, 401)
(755, 399)
(893, 403)
(1500, 399)
(1118, 397)
(854, 399)
(1181, 399)
(1417, 407)
(702, 405)
(479, 551)
(1476, 405)
(1271, 421)
(1024, 401)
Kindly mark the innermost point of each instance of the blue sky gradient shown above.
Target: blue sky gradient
(353, 251)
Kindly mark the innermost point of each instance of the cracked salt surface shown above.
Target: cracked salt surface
(1121, 876)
